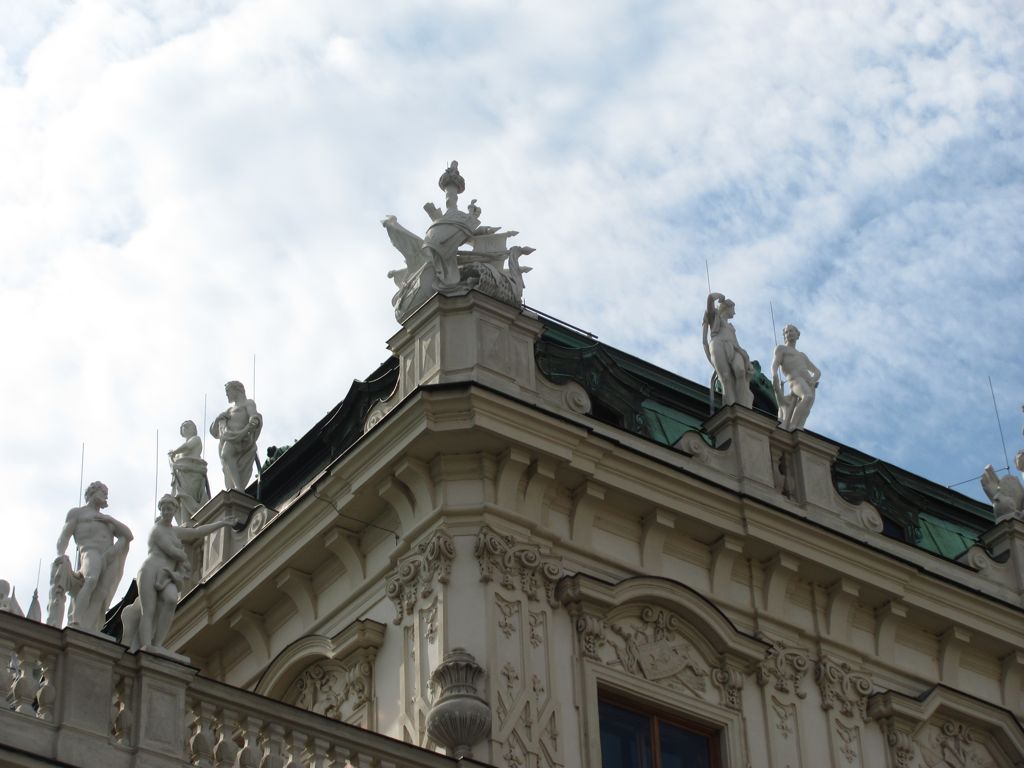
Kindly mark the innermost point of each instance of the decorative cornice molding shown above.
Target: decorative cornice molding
(416, 573)
(519, 565)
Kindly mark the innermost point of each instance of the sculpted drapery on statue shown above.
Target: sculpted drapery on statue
(801, 375)
(434, 263)
(103, 546)
(188, 473)
(237, 428)
(161, 577)
(730, 361)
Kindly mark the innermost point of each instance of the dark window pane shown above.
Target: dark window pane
(683, 749)
(625, 738)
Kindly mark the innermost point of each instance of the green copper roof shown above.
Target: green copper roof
(639, 397)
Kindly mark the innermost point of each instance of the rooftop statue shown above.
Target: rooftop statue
(237, 428)
(188, 473)
(730, 361)
(801, 375)
(434, 263)
(103, 546)
(161, 578)
(1005, 493)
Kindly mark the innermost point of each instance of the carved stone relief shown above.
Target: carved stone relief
(950, 744)
(525, 729)
(844, 696)
(517, 566)
(416, 573)
(781, 676)
(335, 690)
(654, 646)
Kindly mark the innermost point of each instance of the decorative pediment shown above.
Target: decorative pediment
(661, 632)
(308, 664)
(947, 729)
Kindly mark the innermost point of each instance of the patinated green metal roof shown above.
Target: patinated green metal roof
(635, 395)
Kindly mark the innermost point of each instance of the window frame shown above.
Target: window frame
(660, 714)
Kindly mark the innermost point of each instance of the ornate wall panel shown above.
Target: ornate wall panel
(526, 732)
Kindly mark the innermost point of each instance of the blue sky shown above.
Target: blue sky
(186, 185)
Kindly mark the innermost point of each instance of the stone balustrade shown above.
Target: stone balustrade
(80, 699)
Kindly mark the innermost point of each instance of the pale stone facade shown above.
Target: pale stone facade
(485, 558)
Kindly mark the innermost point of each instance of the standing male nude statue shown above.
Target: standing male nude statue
(103, 547)
(801, 375)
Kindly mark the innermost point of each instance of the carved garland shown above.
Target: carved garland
(519, 565)
(416, 573)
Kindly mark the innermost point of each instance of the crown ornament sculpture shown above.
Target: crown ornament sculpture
(456, 254)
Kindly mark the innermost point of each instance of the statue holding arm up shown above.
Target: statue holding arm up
(730, 361)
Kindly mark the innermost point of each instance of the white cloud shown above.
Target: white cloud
(188, 184)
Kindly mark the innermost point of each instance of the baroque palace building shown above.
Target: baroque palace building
(513, 545)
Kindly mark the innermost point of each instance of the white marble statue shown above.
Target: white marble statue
(188, 473)
(161, 578)
(238, 428)
(102, 546)
(730, 361)
(8, 600)
(434, 263)
(801, 375)
(1005, 493)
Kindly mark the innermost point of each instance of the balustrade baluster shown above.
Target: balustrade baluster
(201, 743)
(296, 750)
(273, 746)
(47, 693)
(250, 754)
(122, 718)
(23, 691)
(342, 757)
(318, 753)
(225, 751)
(8, 667)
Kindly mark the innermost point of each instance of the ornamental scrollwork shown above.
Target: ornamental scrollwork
(784, 668)
(842, 688)
(517, 565)
(729, 682)
(656, 649)
(416, 573)
(333, 690)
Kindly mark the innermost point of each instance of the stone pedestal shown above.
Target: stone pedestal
(467, 338)
(1005, 542)
(750, 434)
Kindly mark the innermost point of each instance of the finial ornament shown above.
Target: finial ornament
(801, 375)
(730, 361)
(434, 263)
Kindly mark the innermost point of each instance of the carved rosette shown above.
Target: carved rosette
(784, 668)
(517, 565)
(842, 688)
(416, 573)
(460, 717)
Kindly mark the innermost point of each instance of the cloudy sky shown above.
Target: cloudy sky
(187, 185)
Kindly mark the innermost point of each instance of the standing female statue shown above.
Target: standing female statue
(161, 578)
(188, 473)
(730, 361)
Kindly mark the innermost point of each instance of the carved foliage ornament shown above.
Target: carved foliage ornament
(416, 573)
(331, 689)
(656, 649)
(842, 688)
(784, 668)
(517, 565)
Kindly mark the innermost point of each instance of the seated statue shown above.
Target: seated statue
(161, 578)
(188, 473)
(730, 361)
(237, 428)
(801, 375)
